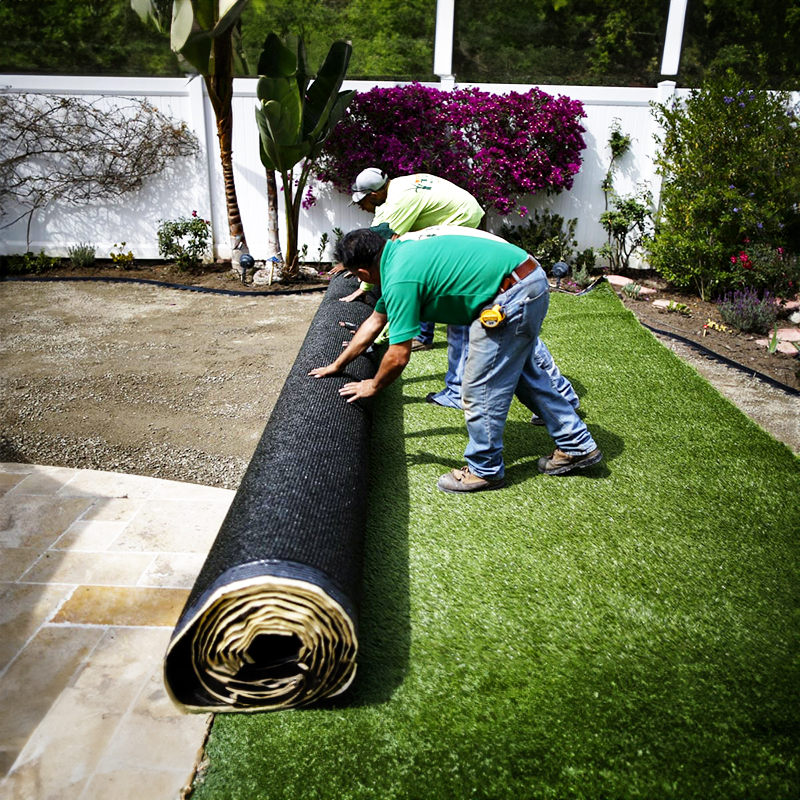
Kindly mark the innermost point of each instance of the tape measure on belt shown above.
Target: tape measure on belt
(492, 317)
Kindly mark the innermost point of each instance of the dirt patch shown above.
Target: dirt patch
(143, 379)
(739, 347)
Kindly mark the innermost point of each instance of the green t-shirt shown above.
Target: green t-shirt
(446, 279)
(418, 201)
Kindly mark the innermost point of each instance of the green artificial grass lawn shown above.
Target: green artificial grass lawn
(629, 631)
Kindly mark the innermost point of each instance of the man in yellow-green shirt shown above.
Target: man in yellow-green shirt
(414, 202)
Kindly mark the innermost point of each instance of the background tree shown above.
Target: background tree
(390, 39)
(63, 37)
(207, 34)
(604, 42)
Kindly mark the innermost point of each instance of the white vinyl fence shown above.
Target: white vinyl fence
(195, 184)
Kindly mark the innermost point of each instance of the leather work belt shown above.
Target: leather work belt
(520, 272)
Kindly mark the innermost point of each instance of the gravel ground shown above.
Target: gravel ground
(143, 379)
(174, 384)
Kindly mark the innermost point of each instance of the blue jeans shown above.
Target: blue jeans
(457, 351)
(426, 333)
(502, 363)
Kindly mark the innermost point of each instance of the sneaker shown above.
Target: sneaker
(462, 480)
(559, 462)
(418, 344)
(535, 420)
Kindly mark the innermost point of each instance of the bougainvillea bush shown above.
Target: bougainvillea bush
(497, 147)
(730, 159)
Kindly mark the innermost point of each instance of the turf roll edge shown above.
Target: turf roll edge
(272, 619)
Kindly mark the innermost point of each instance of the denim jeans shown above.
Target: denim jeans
(426, 332)
(457, 351)
(502, 363)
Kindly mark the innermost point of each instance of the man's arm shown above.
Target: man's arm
(394, 361)
(366, 334)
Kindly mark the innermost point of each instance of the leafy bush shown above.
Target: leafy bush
(731, 175)
(583, 267)
(544, 237)
(747, 312)
(30, 263)
(82, 255)
(763, 266)
(185, 240)
(497, 147)
(629, 227)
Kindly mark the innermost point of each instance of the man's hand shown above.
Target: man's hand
(324, 372)
(362, 339)
(356, 295)
(353, 391)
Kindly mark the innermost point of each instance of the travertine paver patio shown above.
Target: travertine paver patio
(94, 570)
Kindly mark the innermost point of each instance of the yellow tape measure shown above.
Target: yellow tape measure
(492, 317)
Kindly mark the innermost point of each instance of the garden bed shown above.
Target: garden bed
(217, 275)
(741, 348)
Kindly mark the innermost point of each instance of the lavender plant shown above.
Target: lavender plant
(747, 312)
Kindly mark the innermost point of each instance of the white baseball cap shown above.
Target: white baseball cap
(369, 180)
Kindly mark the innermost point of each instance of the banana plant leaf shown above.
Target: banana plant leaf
(323, 92)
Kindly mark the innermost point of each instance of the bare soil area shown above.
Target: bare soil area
(179, 384)
(141, 378)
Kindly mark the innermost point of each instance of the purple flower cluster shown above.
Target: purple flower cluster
(497, 147)
(747, 312)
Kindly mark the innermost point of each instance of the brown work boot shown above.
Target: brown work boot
(559, 462)
(462, 480)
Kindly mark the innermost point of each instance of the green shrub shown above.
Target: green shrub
(731, 178)
(628, 225)
(583, 268)
(747, 312)
(544, 237)
(763, 266)
(30, 263)
(185, 240)
(82, 255)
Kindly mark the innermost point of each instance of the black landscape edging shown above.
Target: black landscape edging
(726, 361)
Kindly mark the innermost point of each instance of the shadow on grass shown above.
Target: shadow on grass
(523, 442)
(385, 626)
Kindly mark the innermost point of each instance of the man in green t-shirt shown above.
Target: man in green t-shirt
(454, 280)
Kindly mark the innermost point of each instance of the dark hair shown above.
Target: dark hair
(359, 249)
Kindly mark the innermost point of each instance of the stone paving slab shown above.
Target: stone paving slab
(94, 570)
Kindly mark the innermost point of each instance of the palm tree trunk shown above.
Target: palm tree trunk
(220, 92)
(273, 238)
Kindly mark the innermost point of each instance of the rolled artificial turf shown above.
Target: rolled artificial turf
(629, 631)
(272, 620)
